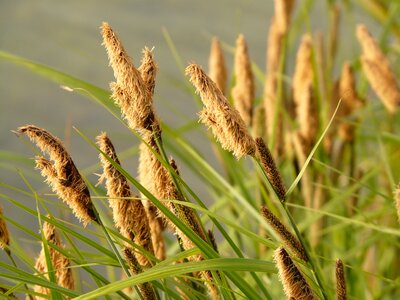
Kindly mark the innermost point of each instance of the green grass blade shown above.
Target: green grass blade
(217, 264)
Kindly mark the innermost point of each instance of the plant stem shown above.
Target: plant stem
(15, 265)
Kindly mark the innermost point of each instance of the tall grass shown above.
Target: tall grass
(301, 203)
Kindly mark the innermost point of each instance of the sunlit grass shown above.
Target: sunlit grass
(352, 212)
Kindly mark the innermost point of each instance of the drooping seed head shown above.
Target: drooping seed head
(225, 121)
(61, 173)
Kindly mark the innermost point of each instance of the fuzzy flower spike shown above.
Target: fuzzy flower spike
(225, 121)
(61, 173)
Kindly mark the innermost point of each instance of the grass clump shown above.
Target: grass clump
(319, 135)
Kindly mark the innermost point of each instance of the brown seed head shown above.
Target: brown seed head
(146, 289)
(129, 215)
(224, 121)
(61, 173)
(293, 281)
(60, 263)
(4, 234)
(217, 66)
(340, 281)
(270, 169)
(287, 237)
(378, 71)
(243, 92)
(130, 91)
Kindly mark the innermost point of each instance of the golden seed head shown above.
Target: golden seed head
(154, 177)
(4, 234)
(341, 293)
(216, 65)
(225, 121)
(148, 70)
(293, 281)
(157, 179)
(377, 69)
(60, 263)
(273, 112)
(243, 92)
(131, 92)
(350, 101)
(283, 10)
(286, 236)
(61, 173)
(369, 45)
(129, 214)
(306, 110)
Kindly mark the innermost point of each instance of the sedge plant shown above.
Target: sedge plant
(300, 202)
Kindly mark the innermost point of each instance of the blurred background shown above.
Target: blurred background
(65, 36)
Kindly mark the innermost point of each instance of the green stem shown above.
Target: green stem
(15, 265)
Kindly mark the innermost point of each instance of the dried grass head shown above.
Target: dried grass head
(131, 92)
(216, 65)
(303, 93)
(350, 101)
(377, 69)
(293, 281)
(341, 293)
(289, 240)
(225, 121)
(128, 213)
(4, 233)
(60, 263)
(243, 92)
(61, 173)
